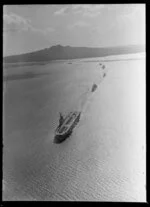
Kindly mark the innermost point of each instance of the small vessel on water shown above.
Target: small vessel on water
(104, 74)
(64, 130)
(94, 87)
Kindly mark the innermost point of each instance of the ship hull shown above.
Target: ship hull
(61, 137)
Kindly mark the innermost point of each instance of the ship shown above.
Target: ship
(94, 87)
(64, 130)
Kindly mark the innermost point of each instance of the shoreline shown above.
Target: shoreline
(17, 64)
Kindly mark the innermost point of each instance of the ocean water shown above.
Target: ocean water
(84, 166)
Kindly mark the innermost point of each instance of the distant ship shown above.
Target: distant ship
(94, 87)
(64, 130)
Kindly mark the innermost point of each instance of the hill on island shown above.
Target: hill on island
(59, 52)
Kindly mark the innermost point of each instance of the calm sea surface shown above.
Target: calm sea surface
(35, 168)
(33, 97)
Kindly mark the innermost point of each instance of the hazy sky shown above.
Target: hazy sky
(33, 27)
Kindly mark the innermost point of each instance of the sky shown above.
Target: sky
(29, 28)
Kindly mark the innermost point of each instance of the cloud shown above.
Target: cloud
(50, 29)
(128, 13)
(47, 30)
(134, 10)
(101, 30)
(87, 10)
(124, 9)
(61, 11)
(15, 23)
(126, 21)
(80, 24)
(94, 10)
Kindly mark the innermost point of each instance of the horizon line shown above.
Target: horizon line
(72, 46)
